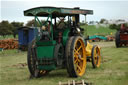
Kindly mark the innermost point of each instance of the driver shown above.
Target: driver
(47, 28)
(61, 24)
(46, 31)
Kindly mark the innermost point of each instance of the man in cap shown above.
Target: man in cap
(61, 24)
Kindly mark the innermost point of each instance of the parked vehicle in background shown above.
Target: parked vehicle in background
(121, 37)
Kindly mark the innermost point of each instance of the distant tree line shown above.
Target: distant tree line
(7, 28)
(115, 26)
(11, 28)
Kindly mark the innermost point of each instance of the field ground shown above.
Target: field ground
(113, 70)
(98, 30)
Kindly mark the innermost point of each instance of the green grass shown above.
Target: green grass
(113, 70)
(8, 37)
(93, 30)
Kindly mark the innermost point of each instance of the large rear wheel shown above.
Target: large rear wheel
(76, 56)
(95, 56)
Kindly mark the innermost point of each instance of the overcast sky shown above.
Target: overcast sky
(12, 10)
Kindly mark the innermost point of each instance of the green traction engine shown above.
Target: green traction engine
(57, 44)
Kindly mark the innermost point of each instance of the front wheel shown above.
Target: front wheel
(95, 56)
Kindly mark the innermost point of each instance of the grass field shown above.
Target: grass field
(8, 37)
(98, 30)
(113, 70)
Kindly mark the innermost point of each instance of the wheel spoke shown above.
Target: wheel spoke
(78, 60)
(79, 48)
(76, 52)
(75, 55)
(75, 61)
(79, 67)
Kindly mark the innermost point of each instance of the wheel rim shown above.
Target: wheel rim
(79, 57)
(97, 56)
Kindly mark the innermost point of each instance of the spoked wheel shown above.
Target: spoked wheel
(76, 57)
(32, 62)
(95, 56)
